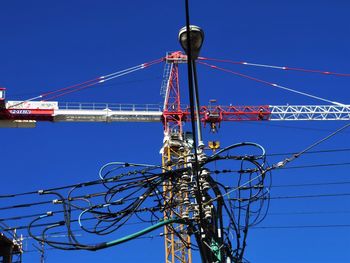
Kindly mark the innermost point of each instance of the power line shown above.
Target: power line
(288, 167)
(310, 184)
(309, 213)
(274, 186)
(292, 197)
(32, 215)
(296, 227)
(87, 196)
(217, 172)
(306, 184)
(311, 152)
(88, 183)
(71, 221)
(253, 227)
(95, 182)
(314, 166)
(308, 196)
(281, 213)
(302, 226)
(25, 205)
(273, 124)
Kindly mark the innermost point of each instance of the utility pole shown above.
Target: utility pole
(208, 236)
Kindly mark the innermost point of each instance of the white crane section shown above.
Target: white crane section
(309, 113)
(107, 112)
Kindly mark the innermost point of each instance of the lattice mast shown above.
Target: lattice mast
(174, 150)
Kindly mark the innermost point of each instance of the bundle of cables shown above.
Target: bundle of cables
(234, 196)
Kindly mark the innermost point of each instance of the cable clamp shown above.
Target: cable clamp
(49, 213)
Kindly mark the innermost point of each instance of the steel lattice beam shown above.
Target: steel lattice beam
(308, 113)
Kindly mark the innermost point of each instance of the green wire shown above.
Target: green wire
(139, 233)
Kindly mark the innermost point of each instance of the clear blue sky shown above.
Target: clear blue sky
(47, 45)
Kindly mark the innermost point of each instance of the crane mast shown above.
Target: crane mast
(174, 151)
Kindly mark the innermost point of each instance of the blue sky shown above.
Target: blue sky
(47, 45)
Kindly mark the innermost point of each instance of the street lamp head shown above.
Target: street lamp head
(197, 38)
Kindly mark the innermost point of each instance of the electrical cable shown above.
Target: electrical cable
(312, 184)
(274, 186)
(271, 154)
(295, 156)
(192, 91)
(127, 184)
(312, 152)
(309, 213)
(309, 196)
(303, 226)
(284, 162)
(75, 246)
(315, 165)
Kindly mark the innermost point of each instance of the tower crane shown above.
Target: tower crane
(176, 141)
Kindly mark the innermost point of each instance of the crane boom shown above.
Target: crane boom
(26, 114)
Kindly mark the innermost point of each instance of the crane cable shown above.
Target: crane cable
(276, 67)
(273, 84)
(83, 85)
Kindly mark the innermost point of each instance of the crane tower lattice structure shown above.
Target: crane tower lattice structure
(174, 151)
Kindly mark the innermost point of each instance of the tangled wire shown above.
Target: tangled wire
(232, 195)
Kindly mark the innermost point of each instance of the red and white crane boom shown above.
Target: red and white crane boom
(26, 114)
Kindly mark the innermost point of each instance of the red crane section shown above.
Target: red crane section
(173, 116)
(27, 110)
(214, 115)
